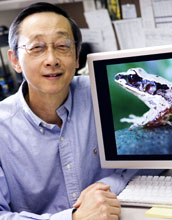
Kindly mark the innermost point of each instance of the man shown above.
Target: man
(49, 163)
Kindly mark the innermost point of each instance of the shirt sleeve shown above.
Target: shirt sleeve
(119, 179)
(64, 215)
(6, 214)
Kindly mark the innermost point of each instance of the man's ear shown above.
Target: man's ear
(77, 61)
(14, 61)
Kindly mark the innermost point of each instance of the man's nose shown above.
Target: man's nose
(52, 58)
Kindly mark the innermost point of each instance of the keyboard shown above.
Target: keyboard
(148, 191)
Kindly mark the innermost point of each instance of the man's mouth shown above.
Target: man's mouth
(53, 75)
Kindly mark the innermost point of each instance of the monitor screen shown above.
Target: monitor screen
(132, 98)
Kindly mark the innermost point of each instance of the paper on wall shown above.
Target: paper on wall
(100, 20)
(128, 11)
(89, 5)
(162, 12)
(158, 36)
(147, 13)
(94, 37)
(130, 33)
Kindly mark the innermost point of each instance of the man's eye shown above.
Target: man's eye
(63, 46)
(36, 48)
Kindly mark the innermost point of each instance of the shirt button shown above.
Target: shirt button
(95, 152)
(41, 130)
(62, 139)
(68, 166)
(44, 125)
(74, 195)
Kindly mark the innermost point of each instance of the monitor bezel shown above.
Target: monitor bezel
(108, 155)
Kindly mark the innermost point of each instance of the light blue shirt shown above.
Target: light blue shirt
(43, 168)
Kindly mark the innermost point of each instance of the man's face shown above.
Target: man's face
(49, 72)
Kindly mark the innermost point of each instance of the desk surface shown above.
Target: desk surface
(137, 213)
(130, 213)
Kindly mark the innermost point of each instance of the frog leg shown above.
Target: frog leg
(136, 120)
(167, 122)
(139, 120)
(132, 119)
(163, 119)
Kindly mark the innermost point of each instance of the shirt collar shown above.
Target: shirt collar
(67, 106)
(23, 90)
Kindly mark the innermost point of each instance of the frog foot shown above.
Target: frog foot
(133, 119)
(167, 122)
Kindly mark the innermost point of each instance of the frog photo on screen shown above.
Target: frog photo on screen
(141, 99)
(154, 91)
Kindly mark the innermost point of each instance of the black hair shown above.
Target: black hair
(36, 8)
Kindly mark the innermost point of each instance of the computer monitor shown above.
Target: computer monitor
(125, 86)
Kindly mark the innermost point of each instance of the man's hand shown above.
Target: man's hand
(97, 202)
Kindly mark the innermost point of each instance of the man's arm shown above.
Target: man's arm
(119, 179)
(97, 202)
(7, 214)
(64, 215)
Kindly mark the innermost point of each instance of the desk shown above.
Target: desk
(137, 213)
(130, 213)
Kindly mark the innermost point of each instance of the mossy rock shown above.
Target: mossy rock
(144, 141)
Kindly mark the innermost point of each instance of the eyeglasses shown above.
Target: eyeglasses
(39, 48)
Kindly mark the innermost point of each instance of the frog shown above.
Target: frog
(154, 90)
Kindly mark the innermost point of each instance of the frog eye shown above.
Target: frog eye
(132, 78)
